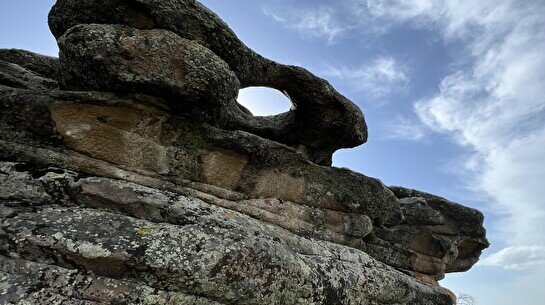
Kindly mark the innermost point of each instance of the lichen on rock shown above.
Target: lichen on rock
(321, 121)
(130, 175)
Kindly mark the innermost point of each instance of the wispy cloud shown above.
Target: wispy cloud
(404, 128)
(496, 106)
(400, 9)
(380, 77)
(518, 258)
(311, 22)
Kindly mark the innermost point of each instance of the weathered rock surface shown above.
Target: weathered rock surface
(158, 62)
(321, 121)
(140, 138)
(435, 236)
(152, 194)
(179, 245)
(241, 174)
(440, 228)
(45, 66)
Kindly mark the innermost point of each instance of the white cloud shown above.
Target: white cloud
(403, 128)
(456, 17)
(381, 77)
(518, 258)
(263, 101)
(493, 104)
(401, 9)
(496, 107)
(313, 22)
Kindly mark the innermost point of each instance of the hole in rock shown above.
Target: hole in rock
(262, 101)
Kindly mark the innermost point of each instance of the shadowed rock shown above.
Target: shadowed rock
(321, 121)
(457, 237)
(15, 76)
(45, 66)
(158, 62)
(163, 190)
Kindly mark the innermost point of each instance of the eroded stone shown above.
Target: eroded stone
(322, 120)
(124, 59)
(194, 249)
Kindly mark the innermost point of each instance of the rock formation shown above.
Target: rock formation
(321, 121)
(129, 174)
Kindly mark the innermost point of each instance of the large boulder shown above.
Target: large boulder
(321, 121)
(45, 66)
(123, 139)
(124, 59)
(159, 247)
(130, 175)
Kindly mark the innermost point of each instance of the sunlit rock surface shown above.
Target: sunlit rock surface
(130, 175)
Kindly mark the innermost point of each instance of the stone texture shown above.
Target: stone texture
(158, 62)
(458, 233)
(435, 236)
(322, 120)
(143, 139)
(45, 66)
(159, 245)
(26, 282)
(13, 75)
(163, 190)
(119, 138)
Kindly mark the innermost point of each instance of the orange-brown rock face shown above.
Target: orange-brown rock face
(149, 185)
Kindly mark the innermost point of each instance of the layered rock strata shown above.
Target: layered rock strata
(150, 193)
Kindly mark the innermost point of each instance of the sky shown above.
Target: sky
(453, 93)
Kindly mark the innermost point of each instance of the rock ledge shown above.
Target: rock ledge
(130, 175)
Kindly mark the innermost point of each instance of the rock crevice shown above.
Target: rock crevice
(130, 175)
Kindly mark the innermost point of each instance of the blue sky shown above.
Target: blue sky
(453, 93)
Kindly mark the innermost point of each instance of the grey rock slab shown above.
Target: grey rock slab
(221, 255)
(27, 282)
(15, 76)
(45, 66)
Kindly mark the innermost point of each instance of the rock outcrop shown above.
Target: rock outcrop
(321, 121)
(130, 175)
(122, 59)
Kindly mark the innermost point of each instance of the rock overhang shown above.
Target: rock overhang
(72, 156)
